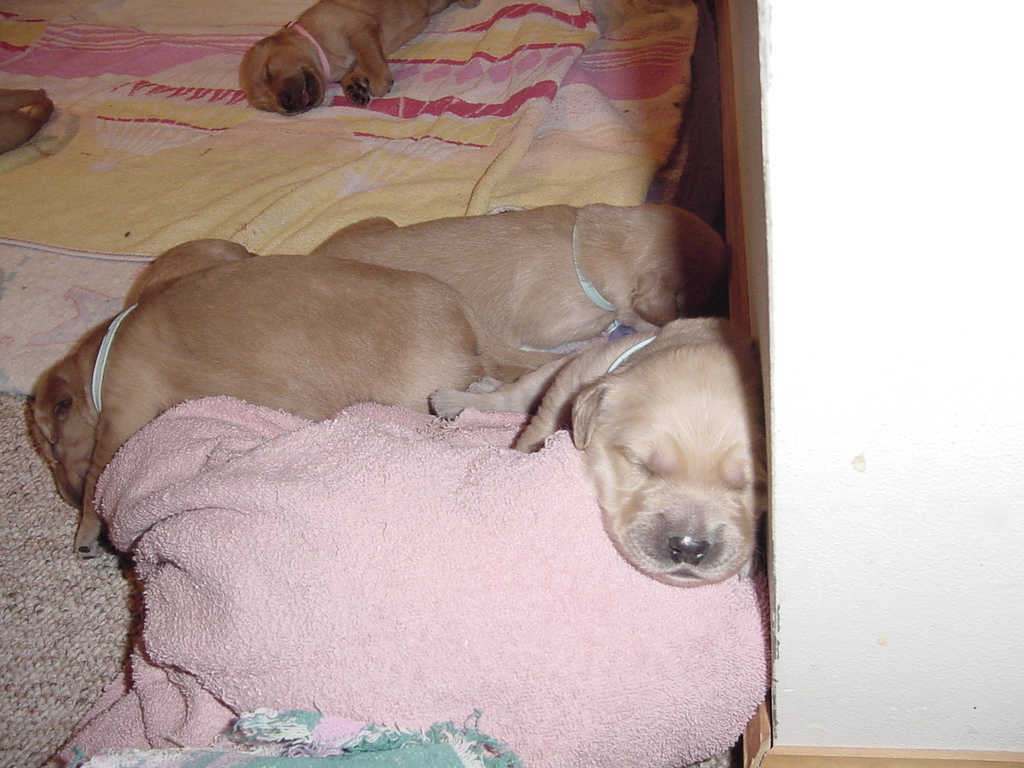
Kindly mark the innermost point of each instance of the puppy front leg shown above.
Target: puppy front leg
(115, 427)
(520, 396)
(87, 536)
(370, 77)
(554, 413)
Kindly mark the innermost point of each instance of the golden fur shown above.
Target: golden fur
(672, 440)
(305, 334)
(283, 72)
(654, 263)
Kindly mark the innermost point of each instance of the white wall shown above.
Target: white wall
(894, 137)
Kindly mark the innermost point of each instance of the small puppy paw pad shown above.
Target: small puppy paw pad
(358, 92)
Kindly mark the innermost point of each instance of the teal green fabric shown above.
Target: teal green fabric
(301, 739)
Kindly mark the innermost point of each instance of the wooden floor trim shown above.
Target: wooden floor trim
(808, 757)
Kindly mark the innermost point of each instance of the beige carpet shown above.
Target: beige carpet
(65, 622)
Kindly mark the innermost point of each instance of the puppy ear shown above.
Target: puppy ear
(51, 405)
(251, 71)
(584, 413)
(256, 49)
(61, 408)
(50, 409)
(659, 298)
(66, 439)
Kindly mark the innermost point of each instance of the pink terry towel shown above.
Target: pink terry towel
(396, 569)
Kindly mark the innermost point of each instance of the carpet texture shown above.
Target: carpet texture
(65, 622)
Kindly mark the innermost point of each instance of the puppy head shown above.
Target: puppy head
(63, 423)
(282, 73)
(673, 445)
(683, 263)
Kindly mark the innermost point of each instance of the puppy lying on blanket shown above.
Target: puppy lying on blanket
(335, 41)
(671, 428)
(305, 334)
(22, 114)
(544, 277)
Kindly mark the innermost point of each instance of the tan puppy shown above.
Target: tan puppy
(671, 429)
(181, 260)
(22, 114)
(547, 276)
(334, 41)
(309, 335)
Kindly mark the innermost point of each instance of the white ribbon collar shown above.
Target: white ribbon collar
(588, 287)
(101, 358)
(629, 353)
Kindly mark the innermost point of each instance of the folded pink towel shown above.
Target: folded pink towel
(393, 568)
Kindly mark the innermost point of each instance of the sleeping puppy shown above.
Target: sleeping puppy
(671, 430)
(544, 277)
(181, 260)
(334, 41)
(305, 334)
(22, 114)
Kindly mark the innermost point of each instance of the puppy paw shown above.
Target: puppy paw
(483, 386)
(528, 446)
(533, 437)
(382, 86)
(87, 537)
(40, 111)
(87, 551)
(87, 546)
(449, 403)
(357, 89)
(361, 89)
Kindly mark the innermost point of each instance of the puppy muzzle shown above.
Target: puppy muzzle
(687, 549)
(299, 93)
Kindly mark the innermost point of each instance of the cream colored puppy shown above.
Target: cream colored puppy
(671, 430)
(305, 334)
(547, 276)
(334, 41)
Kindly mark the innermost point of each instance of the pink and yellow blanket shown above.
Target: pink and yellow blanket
(511, 103)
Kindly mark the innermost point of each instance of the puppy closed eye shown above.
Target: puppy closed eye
(637, 462)
(736, 471)
(61, 408)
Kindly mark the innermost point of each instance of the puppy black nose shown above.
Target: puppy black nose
(688, 549)
(293, 96)
(290, 103)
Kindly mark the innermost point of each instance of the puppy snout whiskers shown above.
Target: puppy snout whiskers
(688, 549)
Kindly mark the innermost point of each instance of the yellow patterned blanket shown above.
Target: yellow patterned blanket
(507, 104)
